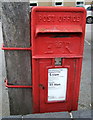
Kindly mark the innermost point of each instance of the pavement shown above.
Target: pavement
(85, 87)
(84, 109)
(75, 115)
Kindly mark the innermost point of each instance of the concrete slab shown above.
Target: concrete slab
(82, 114)
(46, 119)
(19, 117)
(48, 115)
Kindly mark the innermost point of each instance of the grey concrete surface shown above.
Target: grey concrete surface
(76, 115)
(88, 34)
(18, 117)
(4, 102)
(48, 115)
(82, 114)
(0, 72)
(85, 89)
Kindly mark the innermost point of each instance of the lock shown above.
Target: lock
(41, 86)
(58, 61)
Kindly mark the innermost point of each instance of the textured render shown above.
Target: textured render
(16, 33)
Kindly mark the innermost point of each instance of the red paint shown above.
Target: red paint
(56, 32)
(13, 48)
(16, 86)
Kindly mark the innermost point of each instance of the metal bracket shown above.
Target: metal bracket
(6, 82)
(15, 86)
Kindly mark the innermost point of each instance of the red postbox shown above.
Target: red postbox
(57, 51)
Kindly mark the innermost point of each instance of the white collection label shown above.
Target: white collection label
(57, 84)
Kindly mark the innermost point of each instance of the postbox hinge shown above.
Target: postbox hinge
(15, 48)
(15, 86)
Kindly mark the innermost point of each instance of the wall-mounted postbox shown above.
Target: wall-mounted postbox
(57, 51)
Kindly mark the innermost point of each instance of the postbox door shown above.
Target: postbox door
(56, 81)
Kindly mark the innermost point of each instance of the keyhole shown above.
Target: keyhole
(58, 61)
(41, 86)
